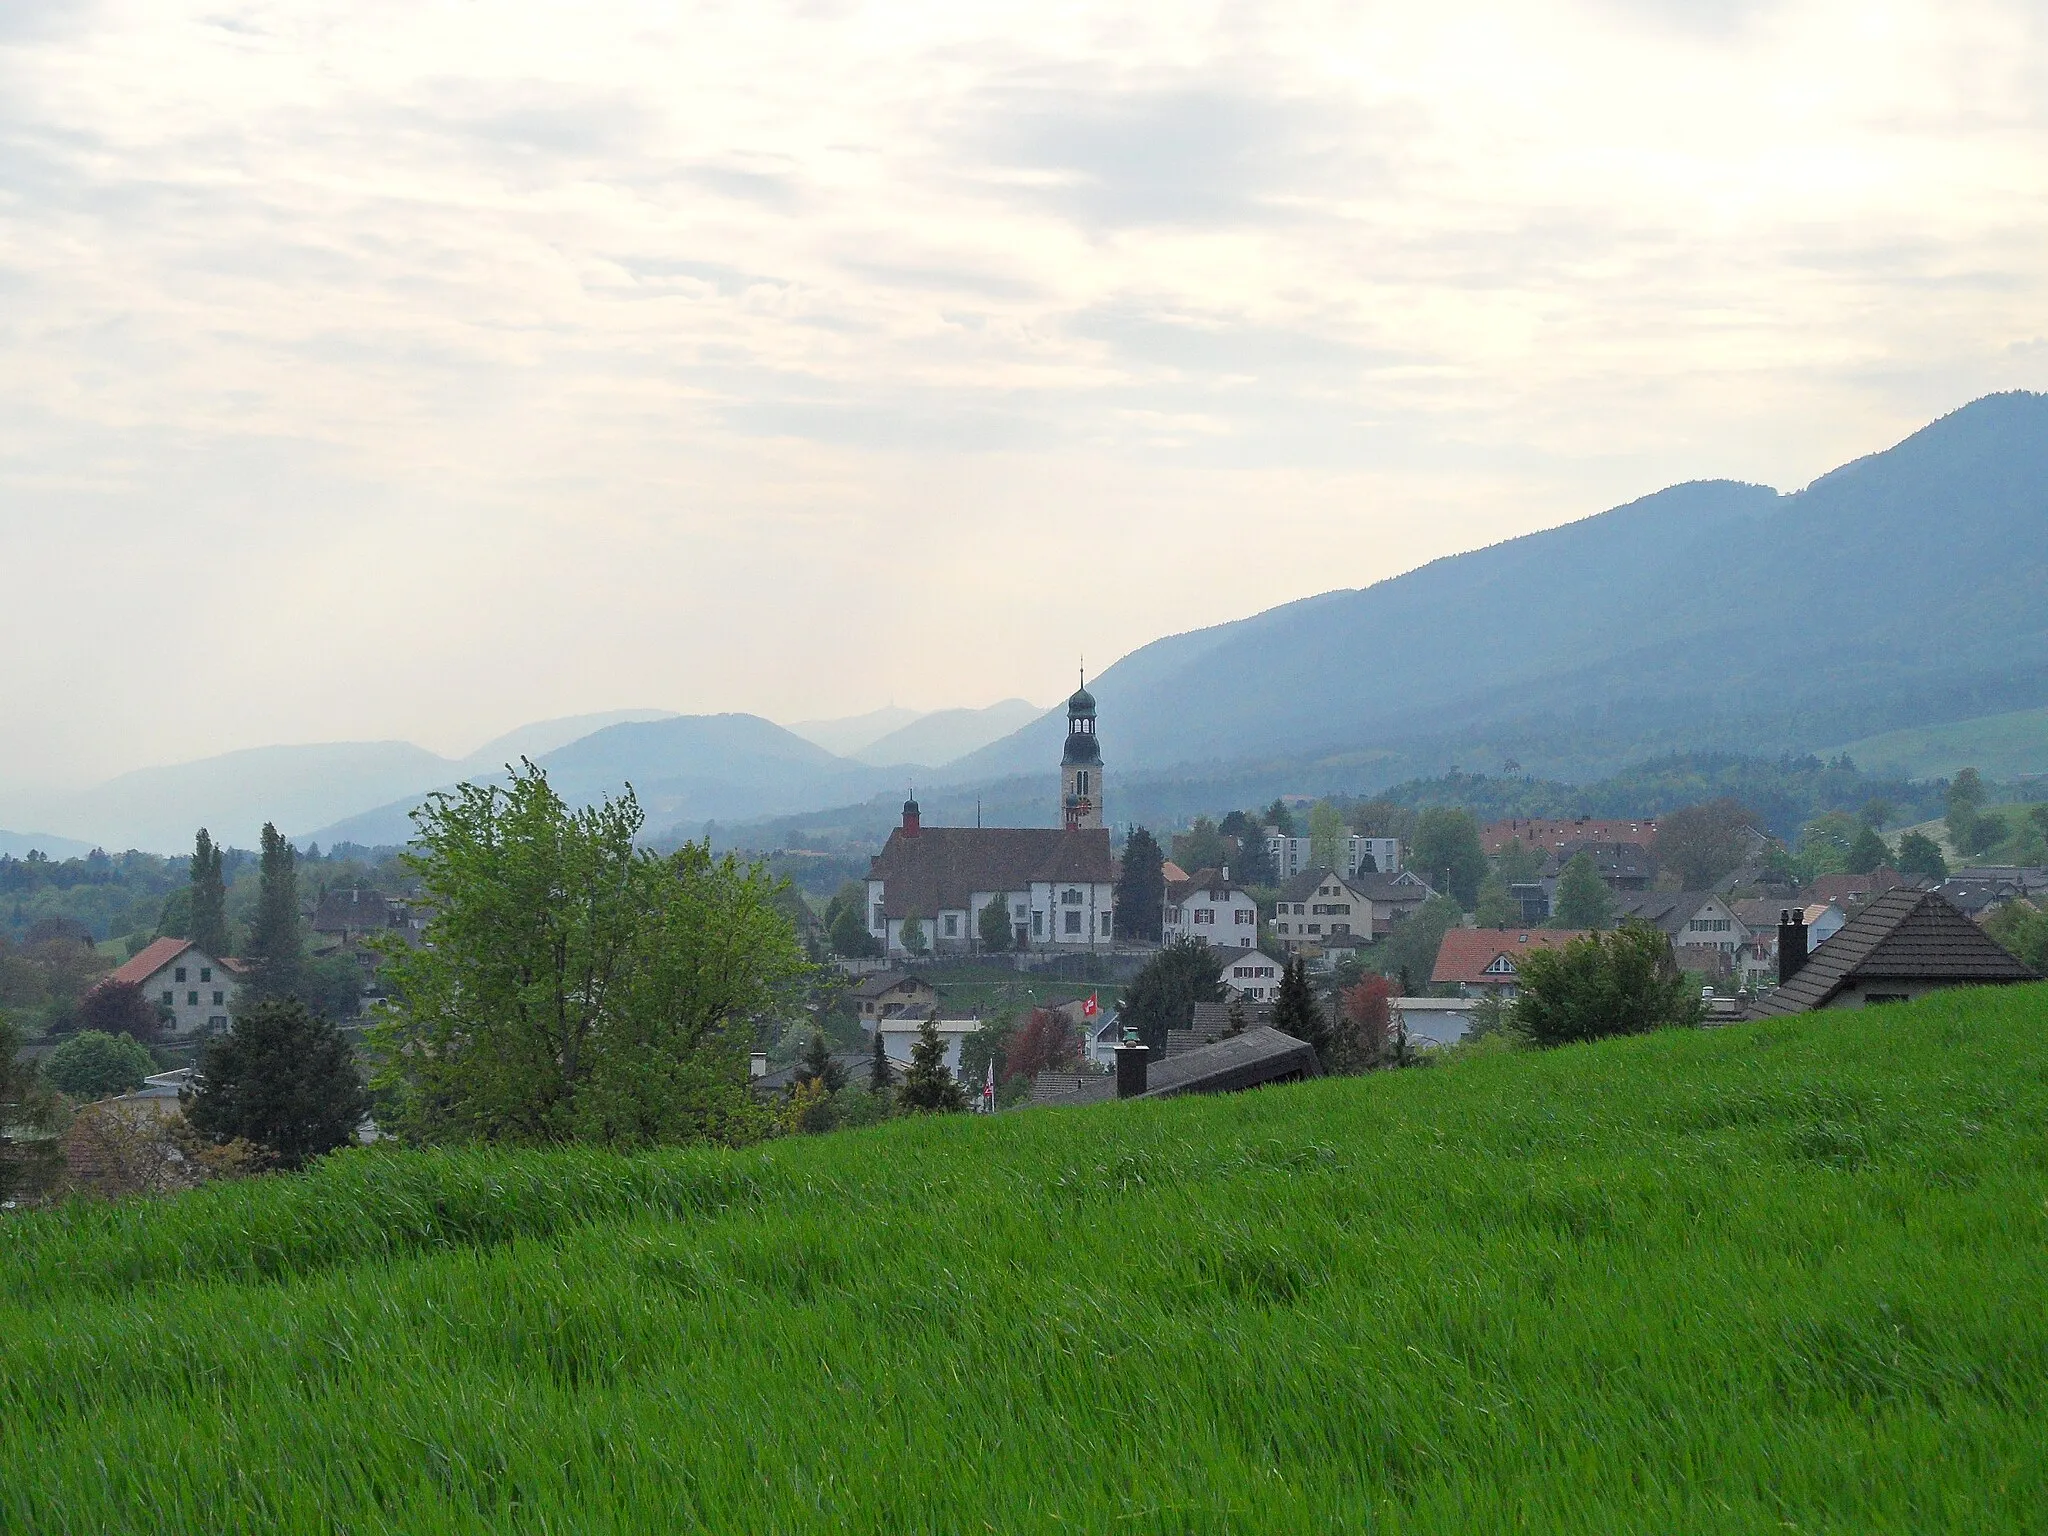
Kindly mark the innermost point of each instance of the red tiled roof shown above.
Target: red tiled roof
(1466, 952)
(1553, 832)
(153, 958)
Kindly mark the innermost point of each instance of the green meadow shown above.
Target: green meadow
(1779, 1277)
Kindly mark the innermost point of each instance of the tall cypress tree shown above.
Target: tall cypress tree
(1139, 888)
(277, 954)
(209, 921)
(1297, 1011)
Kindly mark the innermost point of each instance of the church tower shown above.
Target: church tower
(1081, 765)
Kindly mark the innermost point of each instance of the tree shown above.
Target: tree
(281, 1078)
(1447, 852)
(1582, 899)
(1517, 863)
(1825, 843)
(95, 1065)
(1279, 818)
(277, 951)
(1383, 818)
(1297, 1011)
(29, 1156)
(207, 922)
(1875, 813)
(1619, 983)
(1704, 842)
(988, 1046)
(1412, 943)
(333, 986)
(1163, 995)
(119, 1008)
(818, 1065)
(1200, 847)
(911, 935)
(1987, 829)
(1140, 888)
(1046, 1041)
(1234, 1023)
(847, 928)
(1965, 798)
(1369, 1017)
(879, 1073)
(1868, 852)
(994, 924)
(573, 987)
(2023, 931)
(1919, 854)
(930, 1087)
(1496, 908)
(1326, 834)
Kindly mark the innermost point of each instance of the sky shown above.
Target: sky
(415, 368)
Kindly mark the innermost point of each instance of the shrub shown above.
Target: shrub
(282, 1079)
(119, 1008)
(97, 1065)
(1619, 983)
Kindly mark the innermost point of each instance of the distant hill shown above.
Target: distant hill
(849, 735)
(685, 770)
(20, 845)
(545, 736)
(1904, 589)
(946, 734)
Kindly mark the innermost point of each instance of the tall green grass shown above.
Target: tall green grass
(1776, 1277)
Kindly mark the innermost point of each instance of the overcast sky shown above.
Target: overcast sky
(414, 368)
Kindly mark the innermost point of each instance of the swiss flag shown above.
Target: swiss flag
(1090, 1008)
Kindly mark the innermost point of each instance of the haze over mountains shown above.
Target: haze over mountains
(1904, 592)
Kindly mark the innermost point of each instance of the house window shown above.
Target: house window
(1340, 927)
(181, 974)
(1501, 966)
(952, 926)
(1246, 917)
(192, 999)
(1081, 781)
(169, 998)
(206, 974)
(1281, 927)
(1315, 927)
(219, 997)
(1038, 925)
(1073, 922)
(1105, 925)
(879, 919)
(1204, 915)
(218, 1021)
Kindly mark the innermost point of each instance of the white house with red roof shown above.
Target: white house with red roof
(195, 990)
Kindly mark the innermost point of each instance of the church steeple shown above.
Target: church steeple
(1081, 764)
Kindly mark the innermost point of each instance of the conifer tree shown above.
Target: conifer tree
(208, 924)
(1868, 853)
(282, 1079)
(1298, 1012)
(1140, 888)
(878, 1066)
(995, 924)
(819, 1066)
(929, 1087)
(277, 955)
(1583, 900)
(1236, 1022)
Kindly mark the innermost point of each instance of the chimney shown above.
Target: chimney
(757, 1064)
(1791, 943)
(1130, 1066)
(910, 818)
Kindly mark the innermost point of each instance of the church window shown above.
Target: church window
(1073, 922)
(1070, 898)
(1038, 925)
(1081, 781)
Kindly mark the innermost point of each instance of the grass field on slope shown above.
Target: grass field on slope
(1787, 1276)
(2007, 746)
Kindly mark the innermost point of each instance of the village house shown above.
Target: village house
(193, 991)
(1056, 885)
(1319, 905)
(1210, 906)
(887, 993)
(1253, 976)
(1899, 946)
(1479, 961)
(1706, 933)
(1393, 897)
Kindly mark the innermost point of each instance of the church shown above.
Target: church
(1057, 885)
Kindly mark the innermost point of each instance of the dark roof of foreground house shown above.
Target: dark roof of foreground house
(1903, 935)
(941, 869)
(1259, 1056)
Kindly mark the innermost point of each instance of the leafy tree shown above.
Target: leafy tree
(994, 924)
(1868, 852)
(929, 1087)
(1919, 854)
(1297, 1011)
(987, 1046)
(1383, 818)
(911, 935)
(848, 931)
(1200, 847)
(573, 987)
(1965, 798)
(281, 1078)
(1704, 842)
(818, 1065)
(1251, 862)
(1825, 843)
(1326, 834)
(1875, 813)
(1140, 888)
(1518, 863)
(96, 1065)
(119, 1008)
(1447, 849)
(1369, 1025)
(1412, 943)
(1235, 1022)
(28, 1109)
(1986, 830)
(1619, 983)
(277, 950)
(1045, 1042)
(2023, 931)
(1163, 995)
(207, 925)
(1496, 907)
(1582, 899)
(174, 920)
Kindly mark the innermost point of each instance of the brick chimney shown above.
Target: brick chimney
(1791, 943)
(911, 825)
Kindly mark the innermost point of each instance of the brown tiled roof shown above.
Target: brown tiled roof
(1555, 831)
(1303, 885)
(942, 868)
(1668, 910)
(1212, 1021)
(1615, 861)
(1200, 880)
(1855, 888)
(1052, 1088)
(351, 909)
(1465, 953)
(1390, 888)
(1902, 935)
(885, 981)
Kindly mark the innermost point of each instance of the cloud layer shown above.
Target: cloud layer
(413, 369)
